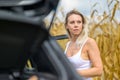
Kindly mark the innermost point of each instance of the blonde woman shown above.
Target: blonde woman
(81, 50)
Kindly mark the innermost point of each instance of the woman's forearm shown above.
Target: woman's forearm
(92, 72)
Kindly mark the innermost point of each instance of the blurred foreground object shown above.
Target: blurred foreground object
(36, 9)
(23, 37)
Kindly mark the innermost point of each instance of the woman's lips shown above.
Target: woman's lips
(75, 29)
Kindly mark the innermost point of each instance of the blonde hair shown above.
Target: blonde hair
(84, 33)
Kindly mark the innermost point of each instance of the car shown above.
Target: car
(26, 47)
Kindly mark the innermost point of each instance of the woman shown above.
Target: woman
(81, 50)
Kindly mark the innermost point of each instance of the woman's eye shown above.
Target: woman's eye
(79, 22)
(71, 22)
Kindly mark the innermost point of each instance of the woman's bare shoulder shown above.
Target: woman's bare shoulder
(92, 46)
(91, 42)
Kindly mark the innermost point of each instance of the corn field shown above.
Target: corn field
(105, 29)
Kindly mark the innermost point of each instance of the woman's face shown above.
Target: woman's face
(74, 24)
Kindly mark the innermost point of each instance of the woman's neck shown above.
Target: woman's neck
(74, 38)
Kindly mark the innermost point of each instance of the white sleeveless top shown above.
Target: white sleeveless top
(77, 61)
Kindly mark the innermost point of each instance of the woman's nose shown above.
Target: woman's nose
(76, 24)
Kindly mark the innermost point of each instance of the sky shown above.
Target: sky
(84, 6)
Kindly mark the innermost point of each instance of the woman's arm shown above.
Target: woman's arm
(94, 55)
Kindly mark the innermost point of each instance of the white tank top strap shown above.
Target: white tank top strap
(82, 45)
(67, 45)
